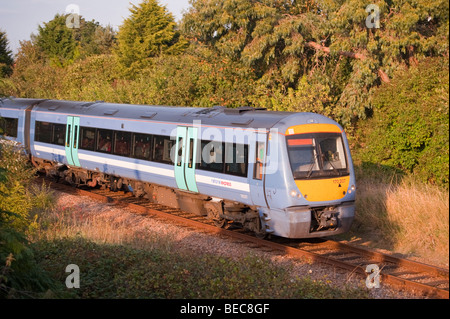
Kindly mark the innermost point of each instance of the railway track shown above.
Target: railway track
(403, 274)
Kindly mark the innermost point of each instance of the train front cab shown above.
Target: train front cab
(311, 192)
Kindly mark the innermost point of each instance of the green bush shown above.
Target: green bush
(410, 123)
(33, 75)
(199, 78)
(20, 276)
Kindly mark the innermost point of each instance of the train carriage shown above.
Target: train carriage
(287, 174)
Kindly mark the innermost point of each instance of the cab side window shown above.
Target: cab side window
(259, 160)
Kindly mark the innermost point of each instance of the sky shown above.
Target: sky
(20, 18)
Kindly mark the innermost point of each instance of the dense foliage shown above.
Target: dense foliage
(412, 116)
(20, 276)
(303, 55)
(324, 43)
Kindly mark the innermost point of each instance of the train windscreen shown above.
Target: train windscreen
(317, 155)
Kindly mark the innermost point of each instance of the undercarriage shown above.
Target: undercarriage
(222, 212)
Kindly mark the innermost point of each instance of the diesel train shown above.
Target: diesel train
(281, 173)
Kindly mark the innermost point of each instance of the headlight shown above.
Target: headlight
(295, 194)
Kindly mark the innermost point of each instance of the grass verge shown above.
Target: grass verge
(120, 271)
(118, 258)
(402, 215)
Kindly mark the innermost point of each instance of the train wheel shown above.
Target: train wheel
(221, 222)
(260, 231)
(214, 210)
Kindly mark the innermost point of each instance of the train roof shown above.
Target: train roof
(246, 117)
(18, 104)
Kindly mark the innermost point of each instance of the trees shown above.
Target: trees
(57, 41)
(287, 55)
(409, 31)
(285, 41)
(265, 35)
(6, 59)
(149, 32)
(63, 45)
(93, 39)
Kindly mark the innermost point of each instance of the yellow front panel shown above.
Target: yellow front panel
(313, 128)
(320, 190)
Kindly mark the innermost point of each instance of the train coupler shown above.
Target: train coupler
(324, 220)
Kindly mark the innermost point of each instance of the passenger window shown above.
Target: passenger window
(122, 143)
(259, 160)
(104, 141)
(212, 156)
(236, 159)
(43, 132)
(162, 149)
(142, 146)
(87, 138)
(8, 126)
(59, 134)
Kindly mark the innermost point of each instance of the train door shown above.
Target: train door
(257, 181)
(72, 138)
(186, 157)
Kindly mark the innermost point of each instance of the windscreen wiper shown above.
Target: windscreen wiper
(328, 160)
(312, 165)
(334, 167)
